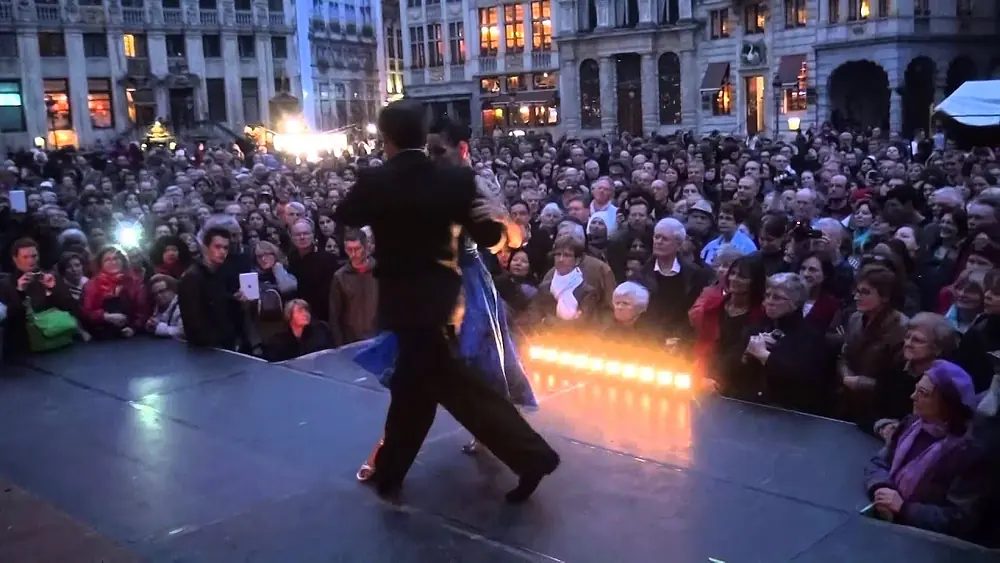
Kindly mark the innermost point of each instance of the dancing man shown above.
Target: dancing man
(417, 211)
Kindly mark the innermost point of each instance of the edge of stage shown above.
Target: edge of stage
(152, 451)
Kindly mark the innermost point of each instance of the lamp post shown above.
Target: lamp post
(776, 87)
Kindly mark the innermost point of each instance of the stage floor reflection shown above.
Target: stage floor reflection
(181, 455)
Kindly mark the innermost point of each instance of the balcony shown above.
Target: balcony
(48, 14)
(351, 29)
(417, 77)
(209, 17)
(487, 65)
(137, 67)
(134, 16)
(456, 72)
(541, 60)
(244, 18)
(276, 19)
(173, 16)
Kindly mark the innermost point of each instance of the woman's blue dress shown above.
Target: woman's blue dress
(484, 339)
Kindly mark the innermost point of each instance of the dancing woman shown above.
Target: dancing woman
(484, 336)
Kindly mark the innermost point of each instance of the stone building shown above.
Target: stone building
(504, 78)
(751, 66)
(81, 71)
(340, 45)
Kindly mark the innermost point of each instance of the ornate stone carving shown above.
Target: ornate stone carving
(753, 53)
(229, 13)
(260, 14)
(115, 11)
(26, 11)
(191, 12)
(72, 10)
(156, 12)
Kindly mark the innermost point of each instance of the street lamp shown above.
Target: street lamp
(776, 86)
(793, 124)
(39, 142)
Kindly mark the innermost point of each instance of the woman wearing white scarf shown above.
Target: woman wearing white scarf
(567, 298)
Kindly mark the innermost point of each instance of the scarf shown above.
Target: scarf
(109, 284)
(908, 474)
(562, 287)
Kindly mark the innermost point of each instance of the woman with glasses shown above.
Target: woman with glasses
(785, 358)
(872, 356)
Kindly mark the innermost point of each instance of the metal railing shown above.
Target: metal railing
(244, 19)
(133, 16)
(209, 17)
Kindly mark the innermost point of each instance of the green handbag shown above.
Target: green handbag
(50, 329)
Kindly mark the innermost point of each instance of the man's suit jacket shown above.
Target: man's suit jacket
(415, 209)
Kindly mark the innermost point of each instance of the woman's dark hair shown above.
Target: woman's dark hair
(752, 268)
(883, 280)
(99, 258)
(64, 261)
(961, 220)
(829, 271)
(160, 246)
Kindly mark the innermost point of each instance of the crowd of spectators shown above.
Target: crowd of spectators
(848, 275)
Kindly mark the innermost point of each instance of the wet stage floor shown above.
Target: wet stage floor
(151, 451)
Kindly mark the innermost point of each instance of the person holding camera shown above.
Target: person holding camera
(28, 287)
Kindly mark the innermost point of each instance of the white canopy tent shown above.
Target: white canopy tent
(976, 104)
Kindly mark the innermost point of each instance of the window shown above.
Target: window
(921, 8)
(51, 45)
(964, 8)
(719, 24)
(141, 106)
(246, 46)
(282, 84)
(858, 10)
(669, 78)
(414, 3)
(251, 100)
(99, 103)
(794, 95)
(215, 90)
(541, 25)
(513, 21)
(456, 42)
(489, 85)
(135, 46)
(795, 14)
(243, 5)
(279, 47)
(8, 46)
(211, 46)
(418, 52)
(545, 81)
(883, 8)
(489, 32)
(516, 84)
(350, 18)
(207, 5)
(433, 2)
(172, 4)
(176, 47)
(833, 11)
(95, 45)
(399, 43)
(435, 46)
(275, 5)
(590, 95)
(719, 102)
(58, 114)
(755, 18)
(11, 107)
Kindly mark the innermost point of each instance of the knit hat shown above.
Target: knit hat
(953, 382)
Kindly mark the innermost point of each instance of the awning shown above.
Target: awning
(715, 75)
(790, 68)
(976, 103)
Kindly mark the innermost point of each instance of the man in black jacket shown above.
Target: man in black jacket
(209, 310)
(413, 207)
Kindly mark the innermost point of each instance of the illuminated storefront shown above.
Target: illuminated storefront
(522, 101)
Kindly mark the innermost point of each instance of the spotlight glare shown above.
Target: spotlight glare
(614, 368)
(629, 371)
(596, 364)
(535, 353)
(682, 381)
(647, 375)
(665, 378)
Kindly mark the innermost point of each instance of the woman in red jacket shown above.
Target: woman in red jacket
(114, 302)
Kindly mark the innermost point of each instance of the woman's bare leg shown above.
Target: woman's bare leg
(367, 470)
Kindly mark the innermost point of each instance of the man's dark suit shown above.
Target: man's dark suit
(412, 206)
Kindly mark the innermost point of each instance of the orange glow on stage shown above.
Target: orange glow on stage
(677, 377)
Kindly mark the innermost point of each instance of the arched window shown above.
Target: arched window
(590, 95)
(669, 72)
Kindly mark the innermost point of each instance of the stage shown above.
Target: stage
(149, 451)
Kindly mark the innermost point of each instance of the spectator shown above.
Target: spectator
(730, 217)
(822, 309)
(566, 298)
(165, 321)
(983, 336)
(968, 292)
(71, 270)
(114, 303)
(912, 480)
(210, 312)
(302, 335)
(312, 269)
(277, 287)
(354, 294)
(170, 256)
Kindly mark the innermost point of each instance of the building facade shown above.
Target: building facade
(339, 52)
(755, 66)
(491, 64)
(75, 72)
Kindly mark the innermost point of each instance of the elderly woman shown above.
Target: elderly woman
(566, 298)
(114, 302)
(165, 321)
(873, 345)
(786, 358)
(302, 335)
(917, 479)
(629, 301)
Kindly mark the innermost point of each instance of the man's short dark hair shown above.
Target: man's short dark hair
(403, 124)
(212, 232)
(356, 235)
(450, 130)
(20, 244)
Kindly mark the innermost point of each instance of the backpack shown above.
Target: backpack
(271, 306)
